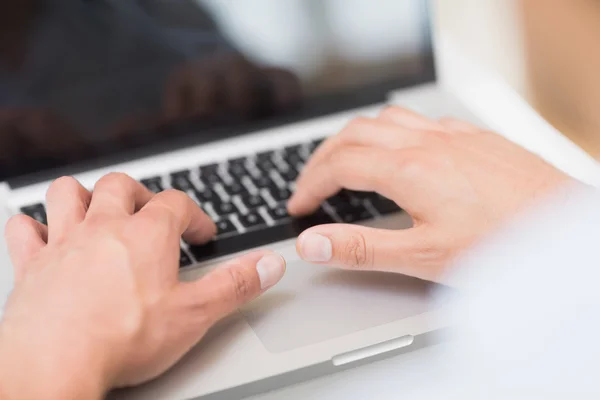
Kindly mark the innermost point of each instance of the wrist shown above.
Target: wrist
(32, 369)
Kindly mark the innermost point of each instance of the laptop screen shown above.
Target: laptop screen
(84, 83)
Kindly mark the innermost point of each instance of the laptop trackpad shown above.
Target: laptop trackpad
(312, 304)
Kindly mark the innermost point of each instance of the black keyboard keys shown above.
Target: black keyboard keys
(279, 194)
(278, 213)
(290, 175)
(209, 175)
(342, 199)
(153, 184)
(181, 181)
(184, 259)
(384, 206)
(252, 220)
(225, 227)
(207, 195)
(266, 165)
(253, 201)
(237, 168)
(262, 181)
(352, 214)
(234, 188)
(267, 235)
(37, 212)
(265, 155)
(225, 208)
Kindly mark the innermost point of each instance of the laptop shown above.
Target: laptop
(226, 100)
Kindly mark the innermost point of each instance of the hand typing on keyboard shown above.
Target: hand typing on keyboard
(98, 289)
(455, 180)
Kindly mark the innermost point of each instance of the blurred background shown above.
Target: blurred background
(547, 50)
(327, 43)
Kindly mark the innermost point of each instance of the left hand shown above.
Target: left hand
(457, 181)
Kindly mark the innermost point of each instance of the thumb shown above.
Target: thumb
(233, 284)
(363, 248)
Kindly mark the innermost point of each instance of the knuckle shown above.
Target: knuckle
(240, 284)
(16, 223)
(175, 196)
(391, 112)
(357, 126)
(355, 253)
(64, 184)
(116, 183)
(411, 162)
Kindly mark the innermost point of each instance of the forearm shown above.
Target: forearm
(32, 369)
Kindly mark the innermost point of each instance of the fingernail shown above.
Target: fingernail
(315, 248)
(270, 270)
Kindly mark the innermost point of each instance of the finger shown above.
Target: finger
(25, 237)
(232, 285)
(458, 125)
(389, 173)
(372, 132)
(182, 214)
(409, 119)
(67, 203)
(117, 194)
(361, 248)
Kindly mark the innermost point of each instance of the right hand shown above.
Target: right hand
(456, 181)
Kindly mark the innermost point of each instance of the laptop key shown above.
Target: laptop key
(279, 194)
(225, 227)
(253, 201)
(265, 155)
(278, 213)
(234, 188)
(225, 208)
(153, 184)
(207, 195)
(294, 161)
(37, 212)
(266, 166)
(290, 175)
(268, 235)
(263, 181)
(252, 220)
(184, 259)
(209, 168)
(342, 199)
(237, 170)
(354, 214)
(211, 179)
(181, 181)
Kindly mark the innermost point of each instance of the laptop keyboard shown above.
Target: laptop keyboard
(247, 196)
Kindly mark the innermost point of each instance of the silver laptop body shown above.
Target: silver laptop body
(345, 59)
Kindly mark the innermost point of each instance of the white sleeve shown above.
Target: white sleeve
(528, 322)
